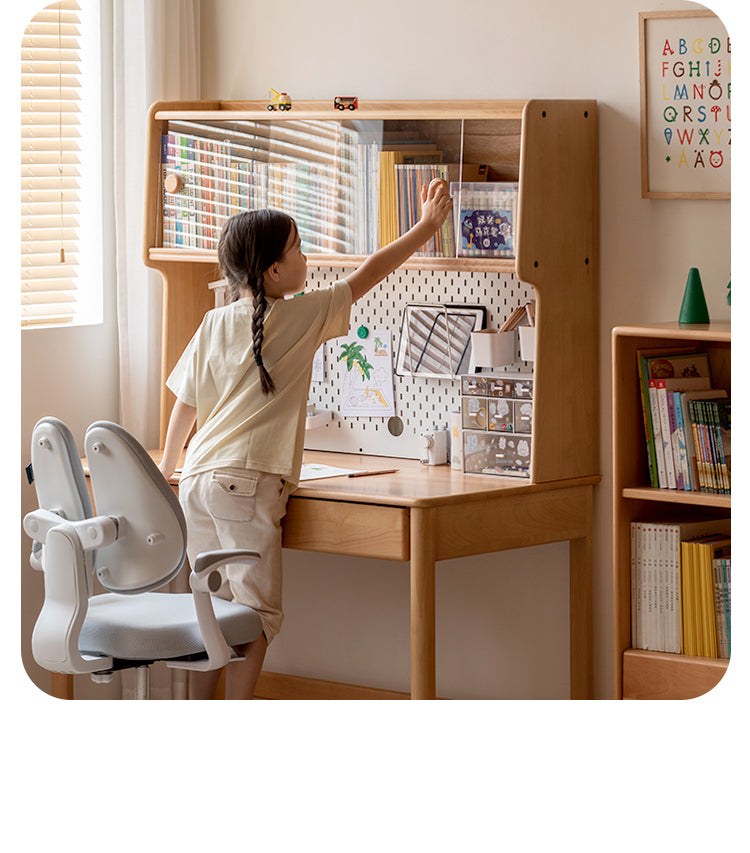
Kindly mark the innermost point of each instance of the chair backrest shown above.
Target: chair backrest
(58, 474)
(59, 481)
(128, 486)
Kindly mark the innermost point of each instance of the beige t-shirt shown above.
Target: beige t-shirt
(237, 424)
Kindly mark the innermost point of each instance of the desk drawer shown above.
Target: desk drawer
(340, 527)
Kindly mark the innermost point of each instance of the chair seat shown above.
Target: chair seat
(159, 626)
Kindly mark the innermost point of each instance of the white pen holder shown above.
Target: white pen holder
(493, 348)
(527, 337)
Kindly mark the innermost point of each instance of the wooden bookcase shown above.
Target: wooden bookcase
(643, 674)
(548, 146)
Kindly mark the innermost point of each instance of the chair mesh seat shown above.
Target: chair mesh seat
(159, 626)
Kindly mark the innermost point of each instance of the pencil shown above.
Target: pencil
(370, 473)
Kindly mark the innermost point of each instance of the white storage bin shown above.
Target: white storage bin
(492, 348)
(527, 336)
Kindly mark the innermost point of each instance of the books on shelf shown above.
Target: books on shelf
(687, 422)
(722, 577)
(409, 179)
(704, 612)
(680, 598)
(349, 191)
(306, 168)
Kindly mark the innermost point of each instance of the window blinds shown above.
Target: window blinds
(50, 161)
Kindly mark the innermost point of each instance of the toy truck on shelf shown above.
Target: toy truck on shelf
(345, 103)
(279, 100)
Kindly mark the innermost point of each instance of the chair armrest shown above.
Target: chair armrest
(206, 578)
(54, 641)
(206, 575)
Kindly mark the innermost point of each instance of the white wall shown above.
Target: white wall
(502, 618)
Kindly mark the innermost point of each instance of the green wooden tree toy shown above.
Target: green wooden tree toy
(694, 308)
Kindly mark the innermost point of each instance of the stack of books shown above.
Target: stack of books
(687, 422)
(681, 587)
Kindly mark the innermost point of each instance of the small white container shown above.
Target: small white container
(527, 336)
(493, 348)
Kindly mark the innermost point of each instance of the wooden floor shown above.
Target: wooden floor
(273, 685)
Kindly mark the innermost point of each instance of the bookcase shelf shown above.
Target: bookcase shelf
(655, 675)
(641, 674)
(647, 493)
(555, 224)
(208, 256)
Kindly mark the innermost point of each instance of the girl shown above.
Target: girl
(244, 377)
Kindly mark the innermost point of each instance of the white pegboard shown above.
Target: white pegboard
(421, 403)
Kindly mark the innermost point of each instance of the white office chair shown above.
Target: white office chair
(135, 543)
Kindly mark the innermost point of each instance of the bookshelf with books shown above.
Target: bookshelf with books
(671, 510)
(351, 179)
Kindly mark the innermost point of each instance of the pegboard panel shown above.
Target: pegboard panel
(421, 403)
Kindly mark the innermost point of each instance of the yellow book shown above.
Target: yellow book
(697, 590)
(387, 209)
(687, 619)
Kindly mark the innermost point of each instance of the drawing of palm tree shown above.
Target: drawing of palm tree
(353, 354)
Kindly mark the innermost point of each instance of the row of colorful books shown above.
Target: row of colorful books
(209, 183)
(687, 421)
(681, 587)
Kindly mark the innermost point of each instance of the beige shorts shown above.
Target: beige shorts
(239, 508)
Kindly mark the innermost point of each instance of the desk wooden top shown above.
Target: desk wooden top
(413, 484)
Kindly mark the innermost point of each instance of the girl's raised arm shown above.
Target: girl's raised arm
(436, 205)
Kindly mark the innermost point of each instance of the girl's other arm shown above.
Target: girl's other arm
(180, 423)
(436, 205)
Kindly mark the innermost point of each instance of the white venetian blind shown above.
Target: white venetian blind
(50, 161)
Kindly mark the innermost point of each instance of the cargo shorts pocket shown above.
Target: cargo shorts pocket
(231, 497)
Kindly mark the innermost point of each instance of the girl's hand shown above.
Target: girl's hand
(436, 203)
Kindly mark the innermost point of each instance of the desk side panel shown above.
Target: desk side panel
(513, 521)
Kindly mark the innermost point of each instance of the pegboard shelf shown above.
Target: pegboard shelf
(548, 146)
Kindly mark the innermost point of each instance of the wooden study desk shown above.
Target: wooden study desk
(423, 514)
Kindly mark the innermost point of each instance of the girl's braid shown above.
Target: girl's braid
(259, 310)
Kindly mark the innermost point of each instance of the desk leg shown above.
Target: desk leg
(422, 556)
(61, 685)
(581, 619)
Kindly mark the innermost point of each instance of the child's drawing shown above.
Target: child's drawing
(367, 375)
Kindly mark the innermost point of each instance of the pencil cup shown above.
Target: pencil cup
(694, 308)
(492, 348)
(527, 337)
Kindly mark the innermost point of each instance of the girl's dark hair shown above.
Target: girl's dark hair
(249, 244)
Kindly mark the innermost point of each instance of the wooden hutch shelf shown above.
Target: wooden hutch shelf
(556, 231)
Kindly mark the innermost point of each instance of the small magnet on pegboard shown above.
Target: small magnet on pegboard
(363, 332)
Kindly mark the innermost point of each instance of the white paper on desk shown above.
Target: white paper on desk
(366, 374)
(313, 471)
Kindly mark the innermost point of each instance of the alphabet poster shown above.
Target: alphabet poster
(686, 97)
